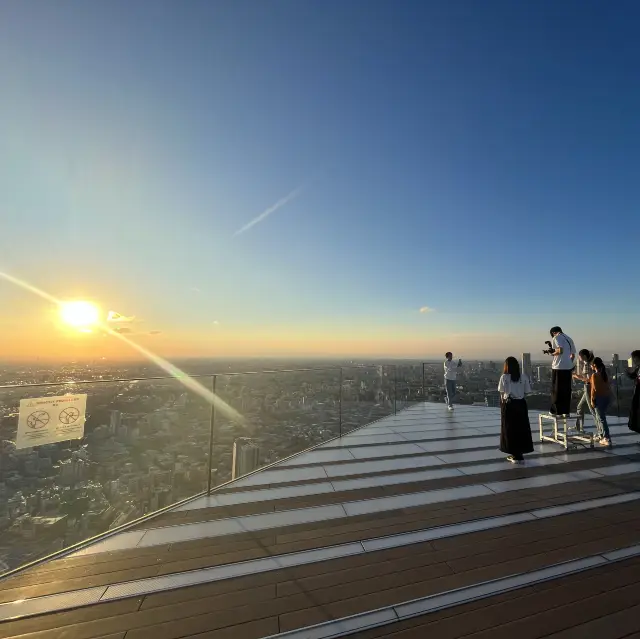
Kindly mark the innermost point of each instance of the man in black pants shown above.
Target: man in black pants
(564, 353)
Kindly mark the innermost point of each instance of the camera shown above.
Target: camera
(550, 350)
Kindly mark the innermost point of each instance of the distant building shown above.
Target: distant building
(246, 457)
(526, 365)
(492, 398)
(116, 421)
(617, 370)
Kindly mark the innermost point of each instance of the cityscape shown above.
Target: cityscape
(146, 441)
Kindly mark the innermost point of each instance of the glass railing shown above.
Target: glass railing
(149, 443)
(79, 459)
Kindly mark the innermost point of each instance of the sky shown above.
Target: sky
(320, 177)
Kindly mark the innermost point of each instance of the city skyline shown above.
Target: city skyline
(320, 178)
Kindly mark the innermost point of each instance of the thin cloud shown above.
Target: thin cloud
(272, 209)
(117, 318)
(155, 332)
(426, 309)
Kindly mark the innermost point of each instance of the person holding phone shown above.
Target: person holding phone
(450, 378)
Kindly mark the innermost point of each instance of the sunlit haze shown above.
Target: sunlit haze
(318, 178)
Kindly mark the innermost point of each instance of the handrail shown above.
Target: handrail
(195, 376)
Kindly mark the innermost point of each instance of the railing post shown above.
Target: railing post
(423, 382)
(340, 405)
(212, 429)
(395, 389)
(618, 389)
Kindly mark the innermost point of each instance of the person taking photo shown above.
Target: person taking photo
(564, 353)
(450, 378)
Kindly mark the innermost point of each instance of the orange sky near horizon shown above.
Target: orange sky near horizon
(50, 342)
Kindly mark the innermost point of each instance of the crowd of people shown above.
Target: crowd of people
(567, 365)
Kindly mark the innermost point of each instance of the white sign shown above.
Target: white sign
(48, 420)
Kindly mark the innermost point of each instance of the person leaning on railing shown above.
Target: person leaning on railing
(634, 374)
(583, 373)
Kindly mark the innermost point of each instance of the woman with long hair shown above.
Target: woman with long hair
(600, 399)
(585, 357)
(515, 430)
(634, 374)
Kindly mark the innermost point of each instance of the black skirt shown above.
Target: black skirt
(515, 430)
(634, 415)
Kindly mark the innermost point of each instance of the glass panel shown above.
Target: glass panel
(409, 385)
(144, 447)
(367, 395)
(284, 413)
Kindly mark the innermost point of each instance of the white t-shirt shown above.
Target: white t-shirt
(516, 390)
(450, 369)
(563, 362)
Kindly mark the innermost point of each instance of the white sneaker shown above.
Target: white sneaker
(449, 407)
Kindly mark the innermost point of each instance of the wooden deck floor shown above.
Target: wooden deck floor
(276, 565)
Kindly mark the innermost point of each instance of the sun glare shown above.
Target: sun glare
(80, 315)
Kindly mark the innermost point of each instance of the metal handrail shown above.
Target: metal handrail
(195, 376)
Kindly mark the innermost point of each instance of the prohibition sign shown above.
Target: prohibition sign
(38, 419)
(69, 415)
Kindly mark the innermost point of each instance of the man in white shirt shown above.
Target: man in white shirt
(450, 377)
(564, 354)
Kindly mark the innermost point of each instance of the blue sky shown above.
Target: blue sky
(478, 158)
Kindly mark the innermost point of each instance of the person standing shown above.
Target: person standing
(634, 374)
(564, 353)
(585, 357)
(450, 378)
(515, 429)
(600, 399)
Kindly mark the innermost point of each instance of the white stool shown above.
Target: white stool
(562, 433)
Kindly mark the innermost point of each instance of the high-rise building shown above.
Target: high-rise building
(246, 457)
(526, 365)
(116, 421)
(617, 371)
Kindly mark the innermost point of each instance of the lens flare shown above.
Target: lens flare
(80, 314)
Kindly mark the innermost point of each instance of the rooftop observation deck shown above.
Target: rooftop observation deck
(413, 526)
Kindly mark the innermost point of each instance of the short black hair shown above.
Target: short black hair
(586, 354)
(555, 329)
(448, 353)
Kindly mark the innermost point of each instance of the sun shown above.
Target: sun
(80, 315)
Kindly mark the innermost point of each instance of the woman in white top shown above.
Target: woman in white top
(515, 430)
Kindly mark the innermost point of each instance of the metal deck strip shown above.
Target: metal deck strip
(433, 603)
